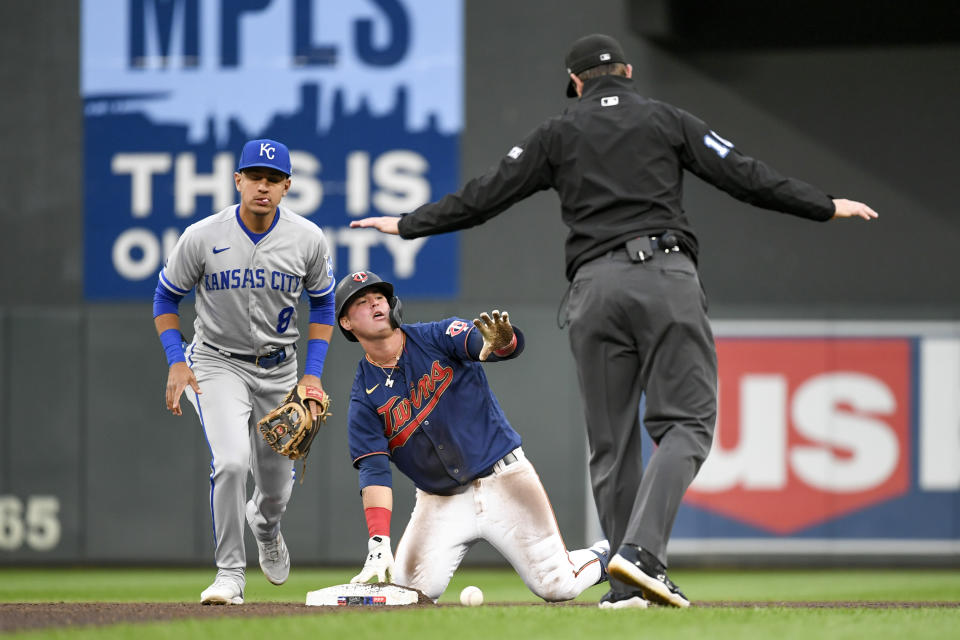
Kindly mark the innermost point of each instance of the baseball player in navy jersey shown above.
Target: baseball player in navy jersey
(636, 308)
(421, 400)
(249, 264)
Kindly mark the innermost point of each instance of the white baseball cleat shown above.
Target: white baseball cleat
(224, 590)
(274, 559)
(632, 602)
(624, 600)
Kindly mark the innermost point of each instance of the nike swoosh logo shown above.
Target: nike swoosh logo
(216, 251)
(370, 390)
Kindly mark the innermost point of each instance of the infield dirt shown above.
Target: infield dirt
(24, 616)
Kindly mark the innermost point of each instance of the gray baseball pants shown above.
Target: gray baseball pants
(235, 395)
(640, 328)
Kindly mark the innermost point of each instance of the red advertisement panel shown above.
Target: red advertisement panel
(807, 429)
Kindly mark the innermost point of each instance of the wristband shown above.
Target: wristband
(378, 521)
(172, 343)
(316, 354)
(507, 350)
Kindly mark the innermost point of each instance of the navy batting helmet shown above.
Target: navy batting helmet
(355, 284)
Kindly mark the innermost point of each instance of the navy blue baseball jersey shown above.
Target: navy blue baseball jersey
(433, 414)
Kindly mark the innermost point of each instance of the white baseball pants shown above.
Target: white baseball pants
(509, 509)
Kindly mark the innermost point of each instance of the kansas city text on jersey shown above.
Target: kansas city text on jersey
(251, 279)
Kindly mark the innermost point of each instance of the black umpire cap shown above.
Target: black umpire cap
(589, 52)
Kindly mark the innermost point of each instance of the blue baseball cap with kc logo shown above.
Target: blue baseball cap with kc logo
(265, 153)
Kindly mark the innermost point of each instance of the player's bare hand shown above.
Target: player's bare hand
(498, 335)
(180, 377)
(313, 381)
(853, 209)
(385, 224)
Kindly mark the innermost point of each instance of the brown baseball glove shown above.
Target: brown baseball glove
(290, 428)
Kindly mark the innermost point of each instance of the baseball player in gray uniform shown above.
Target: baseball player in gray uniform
(249, 264)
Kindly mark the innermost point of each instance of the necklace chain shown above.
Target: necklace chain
(387, 364)
(392, 367)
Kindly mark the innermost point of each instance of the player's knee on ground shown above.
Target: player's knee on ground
(556, 587)
(556, 580)
(430, 584)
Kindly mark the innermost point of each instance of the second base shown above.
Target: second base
(362, 595)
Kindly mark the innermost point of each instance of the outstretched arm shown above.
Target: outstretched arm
(499, 337)
(385, 224)
(523, 171)
(853, 209)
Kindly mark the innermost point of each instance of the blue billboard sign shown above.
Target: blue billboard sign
(367, 96)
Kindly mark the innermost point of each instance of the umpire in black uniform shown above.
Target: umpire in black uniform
(637, 312)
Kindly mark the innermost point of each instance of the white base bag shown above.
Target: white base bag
(362, 595)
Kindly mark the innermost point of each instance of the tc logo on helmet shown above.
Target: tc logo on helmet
(360, 276)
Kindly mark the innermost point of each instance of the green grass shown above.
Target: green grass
(527, 623)
(499, 585)
(552, 624)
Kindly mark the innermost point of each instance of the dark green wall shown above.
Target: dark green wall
(877, 124)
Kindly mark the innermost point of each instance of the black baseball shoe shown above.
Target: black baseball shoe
(623, 600)
(641, 568)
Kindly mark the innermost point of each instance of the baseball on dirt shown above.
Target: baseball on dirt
(471, 596)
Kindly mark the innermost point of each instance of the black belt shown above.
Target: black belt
(506, 460)
(645, 248)
(267, 361)
(510, 458)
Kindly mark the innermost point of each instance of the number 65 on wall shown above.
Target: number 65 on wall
(37, 525)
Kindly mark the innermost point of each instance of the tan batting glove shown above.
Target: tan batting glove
(496, 331)
(379, 562)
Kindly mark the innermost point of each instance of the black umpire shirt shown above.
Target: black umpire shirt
(616, 159)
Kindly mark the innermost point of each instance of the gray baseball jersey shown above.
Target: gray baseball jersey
(247, 291)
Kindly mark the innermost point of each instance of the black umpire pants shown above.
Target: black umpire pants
(640, 328)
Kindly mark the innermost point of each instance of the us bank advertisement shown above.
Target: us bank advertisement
(832, 438)
(367, 95)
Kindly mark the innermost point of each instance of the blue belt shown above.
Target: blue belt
(267, 361)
